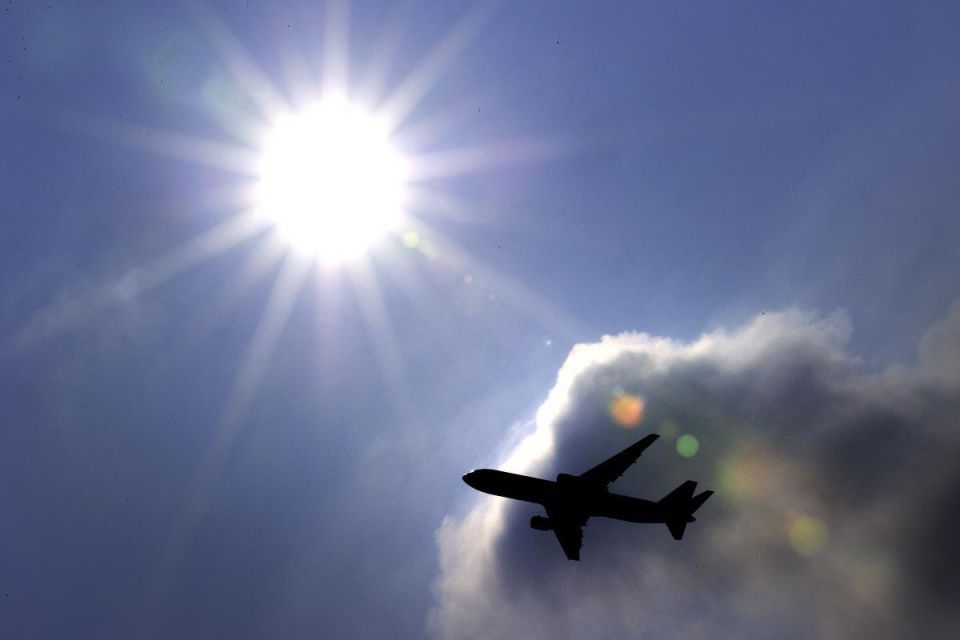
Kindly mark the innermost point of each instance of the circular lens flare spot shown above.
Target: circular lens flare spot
(330, 182)
(688, 445)
(669, 428)
(752, 472)
(411, 240)
(807, 535)
(626, 409)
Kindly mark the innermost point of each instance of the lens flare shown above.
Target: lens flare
(411, 240)
(688, 445)
(669, 429)
(807, 535)
(750, 473)
(626, 409)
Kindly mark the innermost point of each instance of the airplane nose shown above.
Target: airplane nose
(468, 478)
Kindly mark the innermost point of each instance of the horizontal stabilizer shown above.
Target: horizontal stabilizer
(679, 506)
(698, 500)
(677, 527)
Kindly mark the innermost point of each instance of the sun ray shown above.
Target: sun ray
(485, 157)
(328, 299)
(217, 155)
(300, 79)
(72, 309)
(422, 133)
(268, 99)
(336, 48)
(380, 331)
(203, 487)
(404, 273)
(282, 298)
(385, 50)
(438, 204)
(405, 98)
(208, 244)
(507, 289)
(256, 266)
(231, 108)
(262, 344)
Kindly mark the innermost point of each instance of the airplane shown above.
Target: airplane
(572, 500)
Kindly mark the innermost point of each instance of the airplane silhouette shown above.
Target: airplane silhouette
(572, 500)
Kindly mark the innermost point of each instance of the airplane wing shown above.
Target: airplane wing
(569, 531)
(611, 469)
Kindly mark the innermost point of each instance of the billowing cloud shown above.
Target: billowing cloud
(837, 512)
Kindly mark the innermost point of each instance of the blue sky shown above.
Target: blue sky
(646, 167)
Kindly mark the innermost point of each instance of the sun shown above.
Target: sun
(330, 181)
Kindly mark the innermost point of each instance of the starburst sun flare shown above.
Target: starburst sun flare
(330, 181)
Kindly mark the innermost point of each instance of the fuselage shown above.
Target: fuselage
(576, 495)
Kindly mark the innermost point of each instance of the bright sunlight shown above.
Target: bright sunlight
(330, 182)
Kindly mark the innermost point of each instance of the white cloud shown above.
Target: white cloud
(837, 507)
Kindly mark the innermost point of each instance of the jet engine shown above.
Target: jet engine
(540, 523)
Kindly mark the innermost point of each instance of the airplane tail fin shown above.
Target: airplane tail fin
(679, 506)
